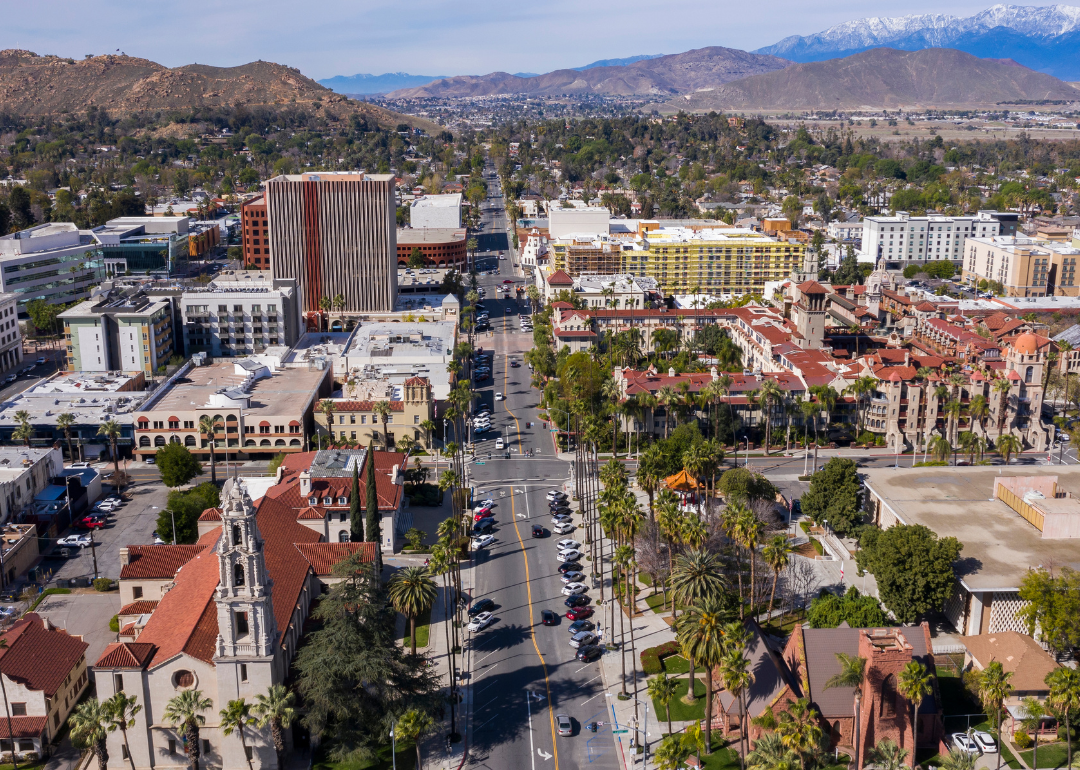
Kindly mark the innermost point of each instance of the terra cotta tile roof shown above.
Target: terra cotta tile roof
(23, 727)
(37, 657)
(157, 561)
(324, 556)
(140, 607)
(126, 655)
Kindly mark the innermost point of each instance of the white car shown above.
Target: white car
(562, 527)
(567, 544)
(562, 518)
(964, 743)
(573, 589)
(985, 741)
(481, 428)
(581, 638)
(573, 577)
(481, 621)
(569, 555)
(483, 541)
(499, 444)
(556, 495)
(484, 504)
(498, 396)
(79, 541)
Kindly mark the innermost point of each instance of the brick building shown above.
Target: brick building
(255, 233)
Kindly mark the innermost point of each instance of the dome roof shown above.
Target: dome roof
(1026, 344)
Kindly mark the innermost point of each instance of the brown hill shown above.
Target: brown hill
(678, 73)
(885, 78)
(47, 85)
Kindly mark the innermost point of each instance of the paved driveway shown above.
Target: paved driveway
(85, 613)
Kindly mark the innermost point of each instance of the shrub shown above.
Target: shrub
(650, 658)
(1063, 734)
(805, 526)
(114, 624)
(817, 546)
(103, 584)
(1022, 740)
(424, 494)
(414, 537)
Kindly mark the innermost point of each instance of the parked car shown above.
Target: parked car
(588, 653)
(577, 601)
(481, 621)
(89, 523)
(563, 528)
(965, 743)
(574, 589)
(79, 541)
(985, 742)
(569, 566)
(41, 360)
(151, 461)
(158, 540)
(514, 364)
(568, 543)
(483, 541)
(556, 495)
(483, 526)
(566, 727)
(569, 555)
(481, 605)
(573, 577)
(549, 618)
(583, 638)
(580, 625)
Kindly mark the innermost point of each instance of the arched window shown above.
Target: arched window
(250, 442)
(888, 696)
(836, 735)
(265, 442)
(189, 441)
(238, 574)
(343, 536)
(1028, 374)
(174, 439)
(144, 441)
(236, 535)
(295, 442)
(159, 441)
(280, 442)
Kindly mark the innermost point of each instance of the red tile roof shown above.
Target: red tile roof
(128, 630)
(560, 278)
(157, 561)
(140, 607)
(310, 514)
(366, 406)
(39, 658)
(125, 655)
(23, 727)
(324, 556)
(211, 514)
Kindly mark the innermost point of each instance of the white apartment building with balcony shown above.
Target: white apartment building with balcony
(902, 239)
(241, 314)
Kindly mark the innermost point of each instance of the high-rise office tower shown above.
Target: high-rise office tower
(335, 233)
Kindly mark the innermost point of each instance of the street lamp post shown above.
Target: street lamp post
(393, 745)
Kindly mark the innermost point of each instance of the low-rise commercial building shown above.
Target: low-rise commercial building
(402, 350)
(56, 262)
(587, 223)
(153, 244)
(240, 313)
(19, 543)
(439, 247)
(123, 331)
(24, 472)
(257, 411)
(354, 418)
(604, 291)
(1024, 267)
(439, 212)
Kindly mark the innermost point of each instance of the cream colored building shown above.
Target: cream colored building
(354, 420)
(1024, 266)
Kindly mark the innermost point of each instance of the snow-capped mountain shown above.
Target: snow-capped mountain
(1044, 38)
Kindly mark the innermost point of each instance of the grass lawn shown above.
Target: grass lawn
(680, 711)
(644, 578)
(1050, 755)
(675, 664)
(32, 765)
(423, 629)
(406, 760)
(656, 603)
(787, 623)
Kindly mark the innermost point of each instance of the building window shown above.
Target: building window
(136, 592)
(328, 501)
(18, 709)
(118, 682)
(241, 624)
(313, 501)
(243, 672)
(888, 696)
(172, 745)
(1028, 374)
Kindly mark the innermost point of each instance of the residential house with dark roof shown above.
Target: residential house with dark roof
(44, 670)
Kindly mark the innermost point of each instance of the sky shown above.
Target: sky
(324, 38)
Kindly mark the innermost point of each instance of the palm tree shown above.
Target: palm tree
(275, 709)
(1002, 386)
(209, 427)
(914, 683)
(429, 431)
(667, 397)
(770, 395)
(23, 433)
(412, 592)
(959, 760)
(887, 755)
(994, 688)
(735, 670)
(412, 726)
(22, 417)
(1034, 713)
(111, 430)
(662, 690)
(701, 635)
(122, 711)
(799, 729)
(770, 753)
(1008, 445)
(90, 727)
(777, 553)
(185, 711)
(234, 718)
(64, 422)
(940, 448)
(851, 674)
(381, 409)
(859, 388)
(1064, 698)
(671, 753)
(979, 410)
(326, 406)
(697, 575)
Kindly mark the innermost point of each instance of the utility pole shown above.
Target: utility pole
(93, 552)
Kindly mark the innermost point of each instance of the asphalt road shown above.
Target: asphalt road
(525, 673)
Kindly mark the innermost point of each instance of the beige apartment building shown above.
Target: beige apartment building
(257, 412)
(1025, 267)
(353, 419)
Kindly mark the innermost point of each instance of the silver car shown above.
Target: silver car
(581, 638)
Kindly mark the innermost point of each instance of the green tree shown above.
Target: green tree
(64, 421)
(374, 519)
(1052, 605)
(770, 753)
(43, 315)
(834, 496)
(799, 729)
(915, 683)
(177, 465)
(851, 674)
(857, 610)
(234, 718)
(412, 592)
(89, 725)
(1064, 698)
(412, 727)
(887, 755)
(959, 760)
(1031, 720)
(701, 635)
(185, 711)
(913, 568)
(24, 433)
(275, 463)
(416, 258)
(111, 430)
(275, 708)
(662, 690)
(185, 507)
(356, 517)
(671, 753)
(993, 686)
(122, 710)
(741, 484)
(697, 575)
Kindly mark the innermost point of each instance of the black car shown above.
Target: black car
(484, 605)
(549, 618)
(514, 364)
(569, 566)
(577, 601)
(588, 653)
(796, 506)
(580, 625)
(483, 526)
(538, 531)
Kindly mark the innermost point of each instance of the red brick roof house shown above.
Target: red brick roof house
(44, 670)
(808, 661)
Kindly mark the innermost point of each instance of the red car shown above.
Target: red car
(90, 523)
(579, 613)
(483, 514)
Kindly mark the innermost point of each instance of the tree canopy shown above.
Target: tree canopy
(912, 565)
(186, 507)
(853, 608)
(834, 496)
(1052, 606)
(177, 465)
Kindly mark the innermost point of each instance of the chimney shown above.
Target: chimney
(305, 483)
(279, 473)
(671, 371)
(45, 623)
(125, 556)
(395, 475)
(714, 373)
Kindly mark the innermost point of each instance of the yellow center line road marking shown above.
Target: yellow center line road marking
(506, 389)
(532, 626)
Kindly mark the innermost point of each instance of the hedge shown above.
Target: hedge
(817, 546)
(650, 658)
(47, 592)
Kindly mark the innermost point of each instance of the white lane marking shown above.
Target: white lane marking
(582, 669)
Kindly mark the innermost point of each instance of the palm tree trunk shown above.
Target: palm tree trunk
(127, 746)
(772, 595)
(998, 724)
(858, 753)
(213, 468)
(419, 764)
(622, 632)
(914, 735)
(412, 633)
(1068, 730)
(708, 708)
(689, 697)
(667, 707)
(753, 554)
(243, 744)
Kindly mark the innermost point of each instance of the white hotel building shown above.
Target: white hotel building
(903, 239)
